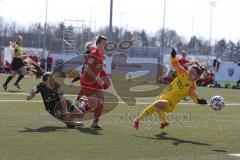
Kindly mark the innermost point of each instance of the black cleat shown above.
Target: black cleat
(70, 126)
(17, 85)
(5, 87)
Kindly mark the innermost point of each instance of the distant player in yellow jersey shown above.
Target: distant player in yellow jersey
(183, 85)
(17, 65)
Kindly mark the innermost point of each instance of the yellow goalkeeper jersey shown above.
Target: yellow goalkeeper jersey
(180, 87)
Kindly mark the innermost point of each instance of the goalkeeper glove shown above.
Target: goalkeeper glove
(202, 101)
(173, 53)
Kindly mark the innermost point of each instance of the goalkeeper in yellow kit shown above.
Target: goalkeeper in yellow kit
(183, 85)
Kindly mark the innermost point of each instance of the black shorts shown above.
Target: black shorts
(17, 63)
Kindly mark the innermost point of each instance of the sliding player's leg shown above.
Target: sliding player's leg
(154, 107)
(163, 106)
(147, 112)
(70, 121)
(57, 112)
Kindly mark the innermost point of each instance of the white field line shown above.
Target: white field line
(235, 154)
(71, 95)
(119, 102)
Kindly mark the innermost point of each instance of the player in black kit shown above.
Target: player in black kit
(54, 101)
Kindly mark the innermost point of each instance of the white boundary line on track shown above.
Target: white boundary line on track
(120, 102)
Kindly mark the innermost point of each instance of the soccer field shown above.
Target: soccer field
(28, 132)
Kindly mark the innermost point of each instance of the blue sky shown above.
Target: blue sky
(187, 17)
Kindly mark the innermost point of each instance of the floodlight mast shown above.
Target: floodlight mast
(45, 27)
(212, 4)
(110, 21)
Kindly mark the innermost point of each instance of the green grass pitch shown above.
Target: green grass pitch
(28, 132)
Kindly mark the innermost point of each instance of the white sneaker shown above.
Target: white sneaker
(96, 125)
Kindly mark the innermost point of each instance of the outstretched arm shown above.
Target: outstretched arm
(194, 96)
(32, 93)
(175, 63)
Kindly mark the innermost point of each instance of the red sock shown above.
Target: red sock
(87, 106)
(97, 112)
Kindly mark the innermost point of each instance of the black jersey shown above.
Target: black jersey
(50, 96)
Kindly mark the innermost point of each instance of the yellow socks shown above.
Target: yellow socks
(151, 109)
(162, 116)
(148, 111)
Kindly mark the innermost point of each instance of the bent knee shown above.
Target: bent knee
(160, 104)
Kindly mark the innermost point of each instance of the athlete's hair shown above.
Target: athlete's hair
(19, 38)
(199, 68)
(100, 38)
(88, 47)
(184, 53)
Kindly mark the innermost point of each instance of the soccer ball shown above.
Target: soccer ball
(217, 103)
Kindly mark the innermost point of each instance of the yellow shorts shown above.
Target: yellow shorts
(171, 105)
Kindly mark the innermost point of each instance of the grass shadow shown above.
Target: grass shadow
(89, 130)
(175, 141)
(44, 129)
(220, 151)
(13, 91)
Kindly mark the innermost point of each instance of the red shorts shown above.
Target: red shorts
(94, 84)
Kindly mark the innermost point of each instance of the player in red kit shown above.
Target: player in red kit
(49, 63)
(94, 79)
(183, 61)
